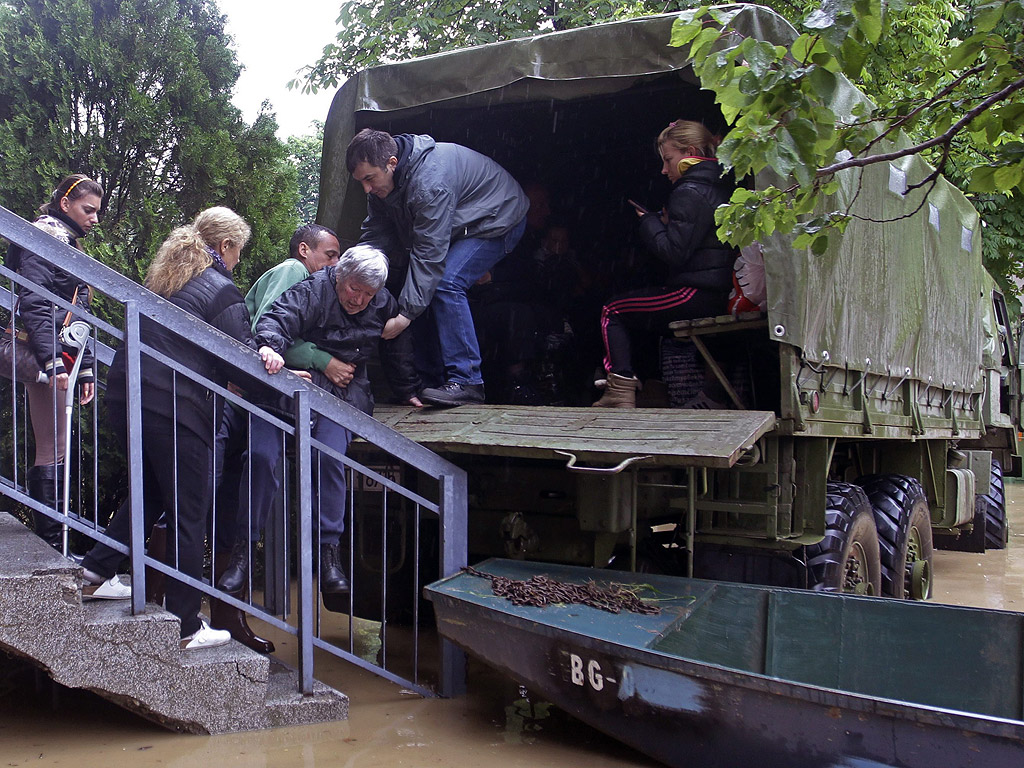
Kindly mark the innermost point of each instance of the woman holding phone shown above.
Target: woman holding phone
(683, 236)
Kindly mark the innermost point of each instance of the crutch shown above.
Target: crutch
(75, 334)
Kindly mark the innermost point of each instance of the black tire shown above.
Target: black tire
(997, 533)
(847, 559)
(904, 528)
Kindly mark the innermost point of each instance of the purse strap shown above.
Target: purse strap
(67, 317)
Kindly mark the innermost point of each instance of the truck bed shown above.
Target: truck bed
(670, 437)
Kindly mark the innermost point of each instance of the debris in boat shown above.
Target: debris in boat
(539, 591)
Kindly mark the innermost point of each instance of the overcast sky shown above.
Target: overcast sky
(273, 40)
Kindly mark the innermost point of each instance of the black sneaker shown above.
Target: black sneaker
(453, 393)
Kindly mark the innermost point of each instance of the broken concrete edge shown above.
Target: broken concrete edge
(91, 639)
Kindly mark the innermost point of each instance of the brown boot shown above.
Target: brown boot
(620, 393)
(224, 616)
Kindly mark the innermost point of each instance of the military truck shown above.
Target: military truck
(880, 396)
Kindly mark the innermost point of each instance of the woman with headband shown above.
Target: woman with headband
(683, 237)
(70, 214)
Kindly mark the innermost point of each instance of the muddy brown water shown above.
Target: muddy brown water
(497, 724)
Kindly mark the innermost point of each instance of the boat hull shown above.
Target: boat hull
(686, 713)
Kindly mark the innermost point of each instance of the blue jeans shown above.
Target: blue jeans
(247, 478)
(263, 469)
(467, 261)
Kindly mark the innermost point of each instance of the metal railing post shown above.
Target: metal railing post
(133, 387)
(304, 489)
(454, 556)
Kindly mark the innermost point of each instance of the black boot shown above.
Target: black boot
(332, 578)
(42, 488)
(235, 575)
(224, 616)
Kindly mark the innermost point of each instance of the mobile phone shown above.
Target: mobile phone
(637, 205)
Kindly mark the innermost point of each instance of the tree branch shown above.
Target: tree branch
(933, 100)
(945, 138)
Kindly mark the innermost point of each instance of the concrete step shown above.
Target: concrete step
(136, 661)
(286, 706)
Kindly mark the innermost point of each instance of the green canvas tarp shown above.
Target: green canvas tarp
(902, 291)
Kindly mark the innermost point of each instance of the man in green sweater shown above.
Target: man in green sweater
(312, 248)
(243, 506)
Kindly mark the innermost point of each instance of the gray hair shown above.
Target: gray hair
(365, 263)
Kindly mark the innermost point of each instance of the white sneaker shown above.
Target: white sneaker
(205, 637)
(111, 589)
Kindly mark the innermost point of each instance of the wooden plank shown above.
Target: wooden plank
(672, 437)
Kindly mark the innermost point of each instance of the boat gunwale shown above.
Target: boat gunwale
(756, 681)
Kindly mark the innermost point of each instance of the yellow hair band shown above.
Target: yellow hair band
(84, 178)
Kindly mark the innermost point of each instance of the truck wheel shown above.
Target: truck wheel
(994, 502)
(846, 560)
(904, 534)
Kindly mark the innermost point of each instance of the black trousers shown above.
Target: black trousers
(650, 310)
(176, 482)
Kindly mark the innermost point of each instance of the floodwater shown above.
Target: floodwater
(496, 724)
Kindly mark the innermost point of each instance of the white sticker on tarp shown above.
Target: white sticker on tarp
(897, 180)
(933, 216)
(967, 239)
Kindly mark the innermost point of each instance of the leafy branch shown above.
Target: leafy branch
(783, 104)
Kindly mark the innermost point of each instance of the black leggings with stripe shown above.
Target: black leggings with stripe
(650, 310)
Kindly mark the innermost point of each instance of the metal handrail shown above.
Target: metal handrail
(307, 399)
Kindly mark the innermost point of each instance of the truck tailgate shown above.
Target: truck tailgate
(673, 437)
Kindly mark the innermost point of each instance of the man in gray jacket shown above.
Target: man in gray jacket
(456, 213)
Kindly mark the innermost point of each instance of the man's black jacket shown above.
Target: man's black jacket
(310, 310)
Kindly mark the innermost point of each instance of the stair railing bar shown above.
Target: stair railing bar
(417, 522)
(133, 388)
(454, 555)
(10, 299)
(384, 577)
(333, 650)
(304, 487)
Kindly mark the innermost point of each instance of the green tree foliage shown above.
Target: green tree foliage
(137, 94)
(954, 85)
(305, 153)
(375, 32)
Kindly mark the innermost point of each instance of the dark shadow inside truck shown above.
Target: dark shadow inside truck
(581, 160)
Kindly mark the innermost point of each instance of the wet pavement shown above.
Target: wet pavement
(994, 579)
(494, 725)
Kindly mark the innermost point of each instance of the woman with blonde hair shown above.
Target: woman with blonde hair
(683, 237)
(192, 270)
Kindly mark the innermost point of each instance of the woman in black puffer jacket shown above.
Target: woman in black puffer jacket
(70, 214)
(192, 270)
(683, 237)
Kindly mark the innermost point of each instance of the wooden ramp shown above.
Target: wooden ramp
(671, 437)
